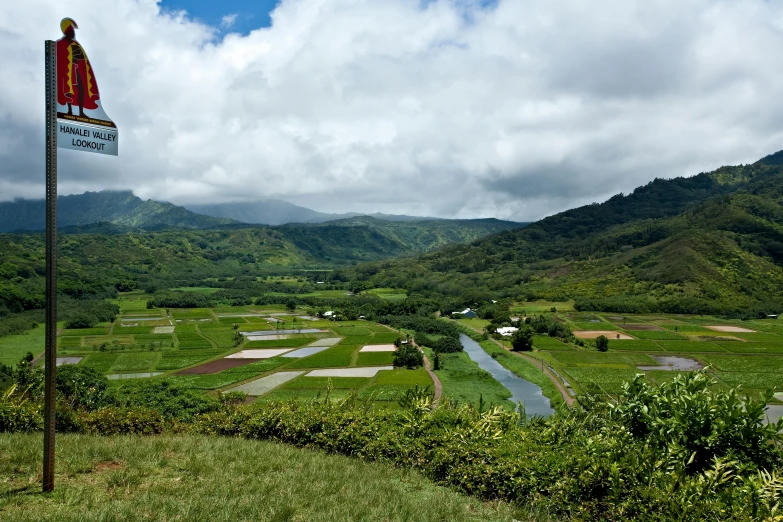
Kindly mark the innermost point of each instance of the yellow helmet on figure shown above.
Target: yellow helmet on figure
(66, 23)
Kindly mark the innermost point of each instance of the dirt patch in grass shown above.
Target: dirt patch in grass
(593, 334)
(730, 329)
(646, 327)
(216, 366)
(109, 466)
(368, 371)
(163, 330)
(379, 348)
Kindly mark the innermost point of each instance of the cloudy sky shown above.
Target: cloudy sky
(457, 108)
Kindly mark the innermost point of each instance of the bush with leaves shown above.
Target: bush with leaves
(18, 413)
(81, 320)
(167, 398)
(602, 343)
(550, 326)
(408, 356)
(447, 345)
(81, 386)
(427, 325)
(690, 422)
(522, 339)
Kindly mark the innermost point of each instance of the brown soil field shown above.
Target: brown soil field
(216, 366)
(592, 334)
(730, 329)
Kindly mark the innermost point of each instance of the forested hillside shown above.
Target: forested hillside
(96, 263)
(709, 243)
(418, 236)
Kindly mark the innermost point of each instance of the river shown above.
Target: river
(521, 390)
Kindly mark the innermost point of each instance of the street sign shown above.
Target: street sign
(82, 123)
(86, 137)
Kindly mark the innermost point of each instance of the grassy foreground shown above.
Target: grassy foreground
(217, 479)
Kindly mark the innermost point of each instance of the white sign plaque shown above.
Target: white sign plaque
(101, 140)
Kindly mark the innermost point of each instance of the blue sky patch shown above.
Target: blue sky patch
(240, 16)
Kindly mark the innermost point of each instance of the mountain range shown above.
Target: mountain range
(279, 212)
(711, 243)
(119, 208)
(120, 211)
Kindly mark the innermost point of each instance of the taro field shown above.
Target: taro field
(265, 352)
(746, 353)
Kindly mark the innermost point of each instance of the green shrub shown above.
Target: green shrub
(81, 386)
(123, 421)
(18, 413)
(422, 324)
(14, 418)
(690, 423)
(408, 356)
(550, 326)
(447, 345)
(522, 340)
(81, 320)
(169, 399)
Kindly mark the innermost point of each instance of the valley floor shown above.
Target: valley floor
(218, 479)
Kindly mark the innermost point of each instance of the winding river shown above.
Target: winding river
(521, 390)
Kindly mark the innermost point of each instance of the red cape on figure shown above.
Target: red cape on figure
(71, 72)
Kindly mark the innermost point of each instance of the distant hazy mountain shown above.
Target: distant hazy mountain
(279, 212)
(121, 209)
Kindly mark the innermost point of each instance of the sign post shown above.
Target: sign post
(50, 359)
(70, 83)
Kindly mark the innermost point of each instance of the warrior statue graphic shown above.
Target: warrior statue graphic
(76, 83)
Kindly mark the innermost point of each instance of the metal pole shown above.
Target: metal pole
(51, 265)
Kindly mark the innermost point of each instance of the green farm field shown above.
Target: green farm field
(391, 294)
(14, 347)
(202, 338)
(751, 359)
(537, 307)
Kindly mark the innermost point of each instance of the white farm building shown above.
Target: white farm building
(507, 331)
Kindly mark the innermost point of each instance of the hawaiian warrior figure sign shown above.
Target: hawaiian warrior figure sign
(78, 98)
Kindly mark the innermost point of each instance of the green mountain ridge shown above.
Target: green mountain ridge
(120, 208)
(95, 259)
(278, 212)
(709, 243)
(406, 236)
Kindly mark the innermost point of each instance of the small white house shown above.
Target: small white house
(507, 331)
(468, 313)
(328, 314)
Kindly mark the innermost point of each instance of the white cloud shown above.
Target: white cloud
(447, 108)
(228, 21)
